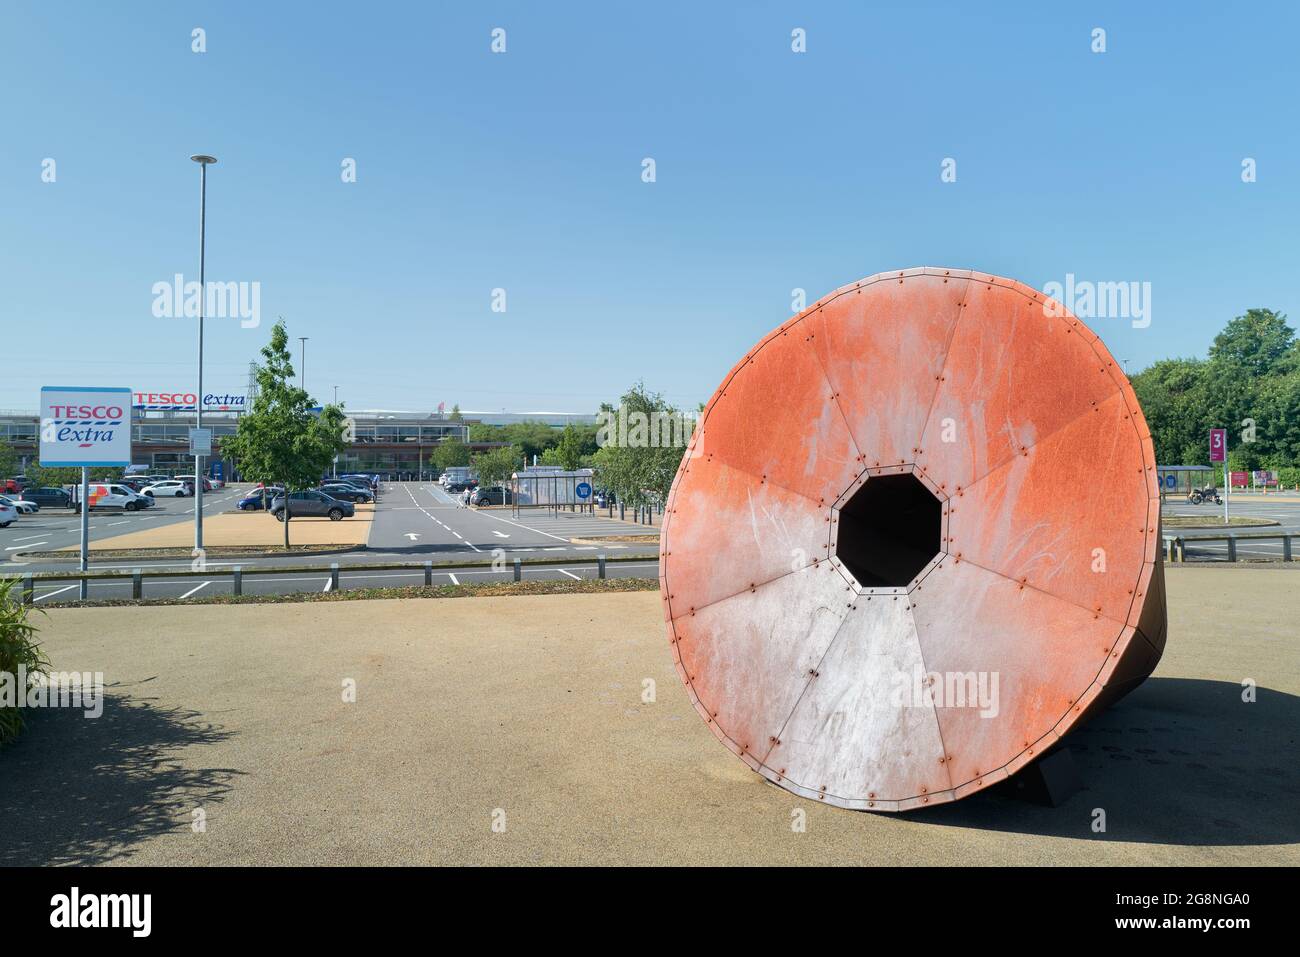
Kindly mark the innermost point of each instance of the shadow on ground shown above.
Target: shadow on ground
(1178, 761)
(77, 790)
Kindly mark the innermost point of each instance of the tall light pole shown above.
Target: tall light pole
(302, 372)
(204, 162)
(336, 395)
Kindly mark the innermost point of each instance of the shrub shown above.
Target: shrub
(18, 649)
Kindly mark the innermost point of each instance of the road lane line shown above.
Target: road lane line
(51, 594)
(14, 548)
(576, 578)
(194, 590)
(454, 579)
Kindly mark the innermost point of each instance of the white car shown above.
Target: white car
(8, 515)
(170, 488)
(23, 507)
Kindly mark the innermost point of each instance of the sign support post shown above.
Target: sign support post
(85, 427)
(85, 532)
(1219, 453)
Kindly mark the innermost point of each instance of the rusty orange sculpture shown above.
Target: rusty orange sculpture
(914, 541)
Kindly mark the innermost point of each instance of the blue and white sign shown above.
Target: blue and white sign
(583, 489)
(85, 425)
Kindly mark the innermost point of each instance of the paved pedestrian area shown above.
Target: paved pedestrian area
(553, 729)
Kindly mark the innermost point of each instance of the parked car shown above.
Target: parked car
(252, 502)
(491, 496)
(10, 486)
(348, 493)
(172, 488)
(24, 508)
(189, 480)
(110, 495)
(48, 497)
(312, 502)
(8, 515)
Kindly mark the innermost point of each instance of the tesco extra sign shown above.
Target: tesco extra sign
(85, 425)
(186, 401)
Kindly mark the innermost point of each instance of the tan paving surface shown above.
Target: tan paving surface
(245, 528)
(533, 705)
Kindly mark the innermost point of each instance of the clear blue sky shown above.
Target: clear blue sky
(523, 171)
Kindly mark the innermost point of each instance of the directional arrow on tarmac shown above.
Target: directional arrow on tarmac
(412, 536)
(499, 534)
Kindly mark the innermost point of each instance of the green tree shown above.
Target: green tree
(637, 465)
(8, 460)
(496, 465)
(1254, 343)
(450, 453)
(280, 439)
(569, 451)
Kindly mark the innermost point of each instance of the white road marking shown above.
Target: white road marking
(576, 578)
(14, 548)
(328, 583)
(499, 534)
(51, 594)
(413, 536)
(198, 589)
(454, 579)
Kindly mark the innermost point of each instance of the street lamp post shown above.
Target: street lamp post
(302, 372)
(204, 162)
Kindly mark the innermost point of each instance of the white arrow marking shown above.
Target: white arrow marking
(412, 536)
(499, 534)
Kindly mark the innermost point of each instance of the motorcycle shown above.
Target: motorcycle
(1207, 494)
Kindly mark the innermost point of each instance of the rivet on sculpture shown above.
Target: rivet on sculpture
(914, 541)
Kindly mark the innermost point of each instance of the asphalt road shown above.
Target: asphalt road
(54, 528)
(1287, 514)
(413, 522)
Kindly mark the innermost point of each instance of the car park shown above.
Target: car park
(169, 489)
(8, 515)
(311, 502)
(48, 497)
(23, 507)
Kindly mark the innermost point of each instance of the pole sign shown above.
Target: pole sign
(583, 489)
(201, 442)
(85, 426)
(1218, 445)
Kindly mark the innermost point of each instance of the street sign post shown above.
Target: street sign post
(1219, 453)
(200, 442)
(85, 427)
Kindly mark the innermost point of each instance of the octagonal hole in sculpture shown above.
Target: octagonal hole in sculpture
(889, 530)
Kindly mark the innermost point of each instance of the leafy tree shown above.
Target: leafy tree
(280, 440)
(455, 414)
(8, 460)
(450, 453)
(640, 472)
(1254, 343)
(496, 465)
(569, 450)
